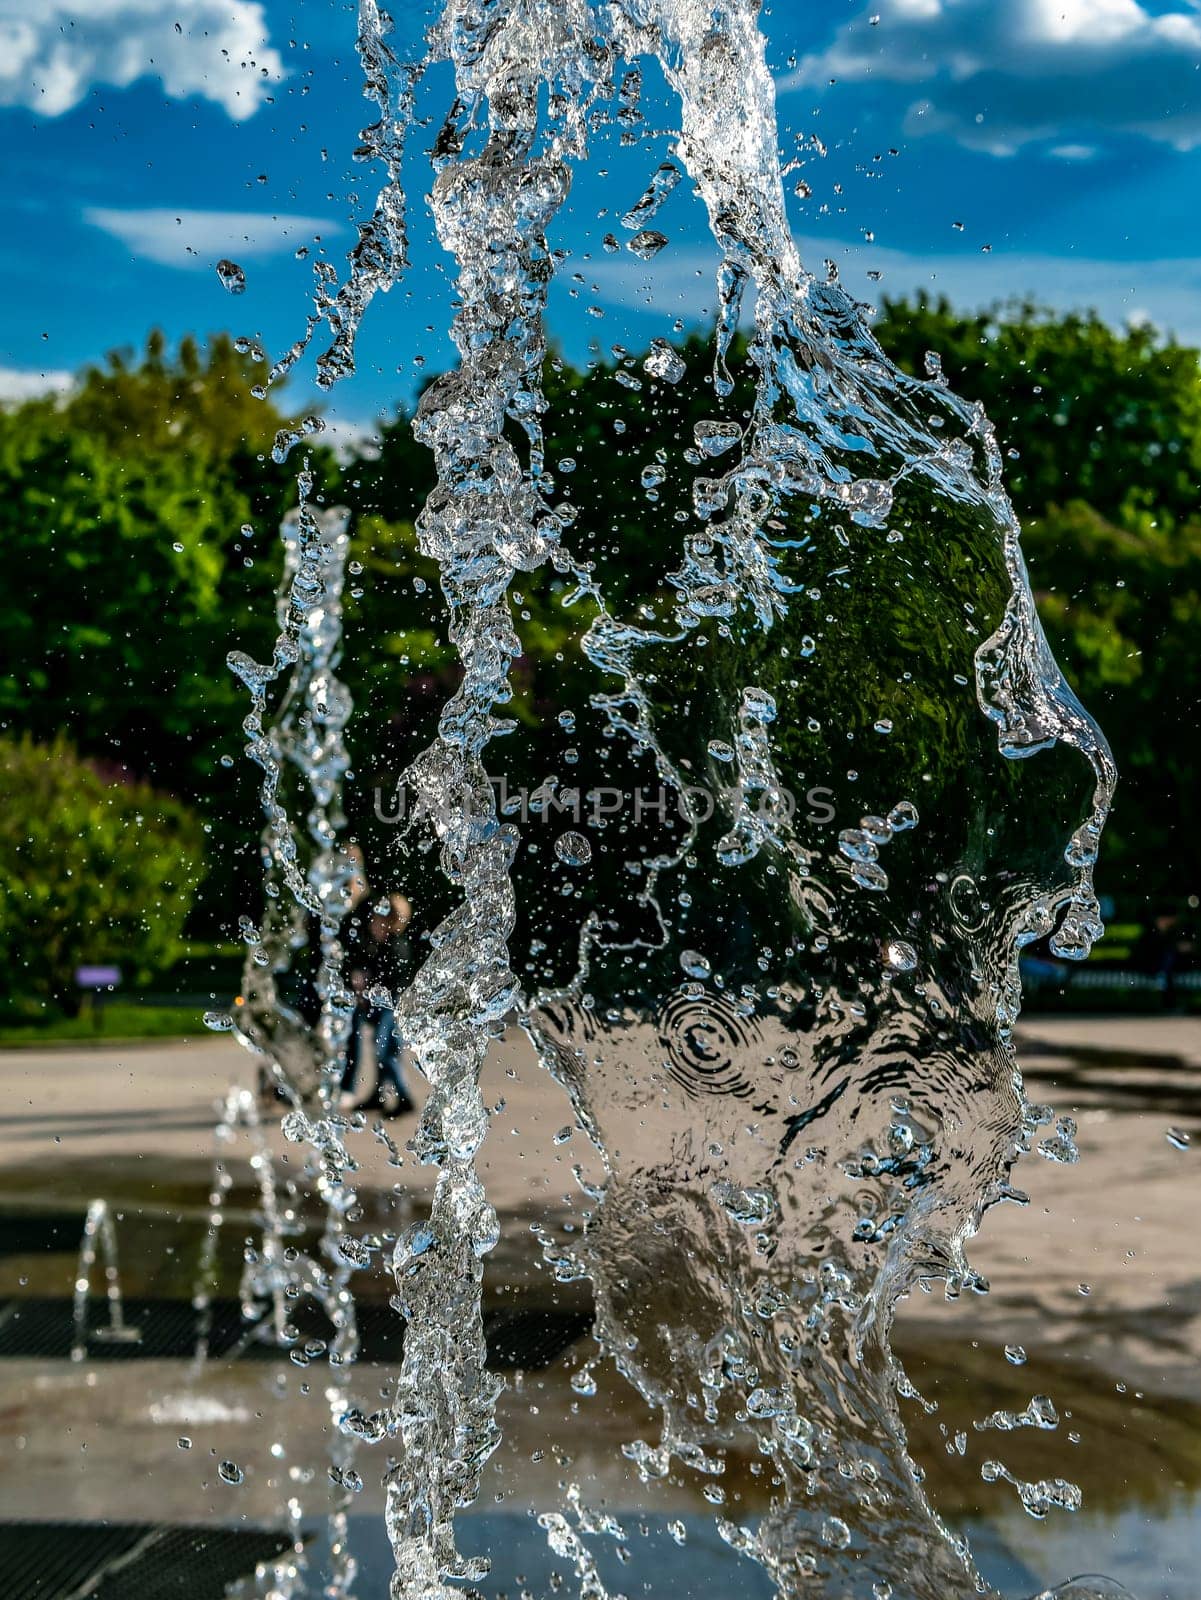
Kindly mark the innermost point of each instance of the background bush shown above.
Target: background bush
(94, 868)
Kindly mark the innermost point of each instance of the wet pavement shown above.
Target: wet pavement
(1098, 1278)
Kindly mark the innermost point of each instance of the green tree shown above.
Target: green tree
(1102, 433)
(139, 517)
(1121, 603)
(93, 868)
(1084, 411)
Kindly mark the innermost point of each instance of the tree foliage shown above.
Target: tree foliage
(94, 868)
(1083, 411)
(1102, 433)
(138, 519)
(139, 515)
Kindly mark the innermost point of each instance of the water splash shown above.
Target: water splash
(814, 1121)
(99, 1234)
(308, 877)
(278, 1275)
(295, 1011)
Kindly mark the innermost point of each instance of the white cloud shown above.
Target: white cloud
(200, 238)
(351, 436)
(998, 74)
(53, 52)
(26, 383)
(1166, 292)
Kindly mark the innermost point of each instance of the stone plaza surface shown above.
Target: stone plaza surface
(134, 1125)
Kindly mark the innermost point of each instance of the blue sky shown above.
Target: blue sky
(145, 139)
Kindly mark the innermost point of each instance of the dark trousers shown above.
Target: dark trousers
(387, 1048)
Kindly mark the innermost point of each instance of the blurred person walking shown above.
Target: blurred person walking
(380, 956)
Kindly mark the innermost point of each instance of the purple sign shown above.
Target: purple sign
(97, 977)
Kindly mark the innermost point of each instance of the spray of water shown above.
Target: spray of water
(788, 1035)
(99, 1235)
(295, 1011)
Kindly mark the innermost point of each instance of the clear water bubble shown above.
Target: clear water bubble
(715, 438)
(903, 816)
(835, 1533)
(647, 244)
(573, 849)
(900, 956)
(749, 1207)
(232, 276)
(664, 362)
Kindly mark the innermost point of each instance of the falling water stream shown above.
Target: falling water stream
(772, 956)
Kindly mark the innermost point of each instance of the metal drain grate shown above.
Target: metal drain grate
(90, 1561)
(44, 1329)
(532, 1340)
(39, 1233)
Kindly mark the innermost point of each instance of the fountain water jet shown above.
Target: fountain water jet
(791, 1042)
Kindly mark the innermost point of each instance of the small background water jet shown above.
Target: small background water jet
(785, 1022)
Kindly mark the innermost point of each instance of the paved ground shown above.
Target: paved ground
(134, 1125)
(112, 1113)
(110, 1110)
(1153, 1037)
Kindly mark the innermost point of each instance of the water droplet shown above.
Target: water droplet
(835, 1533)
(184, 1442)
(232, 277)
(664, 362)
(751, 1208)
(355, 1252)
(230, 1472)
(1041, 1412)
(218, 1021)
(695, 964)
(900, 956)
(903, 816)
(1178, 1138)
(647, 244)
(715, 438)
(573, 849)
(1015, 1355)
